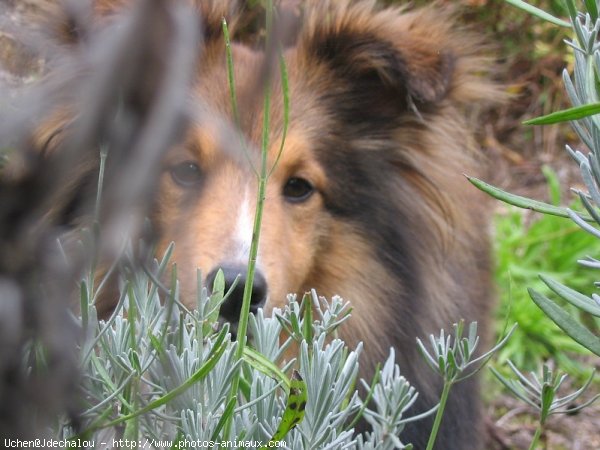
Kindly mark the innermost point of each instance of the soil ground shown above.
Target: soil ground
(516, 153)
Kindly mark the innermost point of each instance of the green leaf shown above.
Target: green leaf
(368, 397)
(84, 304)
(264, 365)
(294, 409)
(569, 325)
(215, 300)
(538, 13)
(219, 283)
(575, 113)
(547, 397)
(285, 90)
(135, 361)
(227, 413)
(156, 343)
(524, 202)
(581, 301)
(132, 316)
(592, 8)
(295, 325)
(572, 9)
(307, 319)
(231, 83)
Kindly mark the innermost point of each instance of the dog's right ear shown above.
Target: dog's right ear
(357, 41)
(423, 56)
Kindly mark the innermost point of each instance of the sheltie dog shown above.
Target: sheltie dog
(368, 199)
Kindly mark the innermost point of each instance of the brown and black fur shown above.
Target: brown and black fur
(379, 127)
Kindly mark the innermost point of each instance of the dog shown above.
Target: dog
(367, 200)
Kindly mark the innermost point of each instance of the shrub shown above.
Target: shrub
(584, 92)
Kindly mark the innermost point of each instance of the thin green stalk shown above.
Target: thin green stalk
(103, 155)
(260, 199)
(132, 314)
(132, 426)
(262, 187)
(232, 91)
(368, 398)
(231, 77)
(440, 413)
(245, 311)
(88, 296)
(536, 437)
(285, 90)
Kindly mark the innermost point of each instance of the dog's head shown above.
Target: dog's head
(374, 100)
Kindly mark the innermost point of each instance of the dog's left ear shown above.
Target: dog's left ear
(68, 19)
(408, 52)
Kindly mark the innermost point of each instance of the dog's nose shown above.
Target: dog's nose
(230, 310)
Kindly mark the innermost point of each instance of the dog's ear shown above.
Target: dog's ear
(409, 53)
(70, 20)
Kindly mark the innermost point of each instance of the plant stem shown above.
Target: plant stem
(252, 257)
(260, 200)
(262, 178)
(440, 412)
(536, 437)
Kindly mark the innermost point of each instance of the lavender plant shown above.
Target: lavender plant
(453, 358)
(584, 92)
(541, 393)
(161, 374)
(583, 89)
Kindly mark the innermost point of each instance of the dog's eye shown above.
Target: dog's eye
(186, 174)
(297, 190)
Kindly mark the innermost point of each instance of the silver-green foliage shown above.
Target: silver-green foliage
(159, 372)
(542, 394)
(582, 90)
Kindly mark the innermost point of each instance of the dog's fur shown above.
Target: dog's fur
(379, 128)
